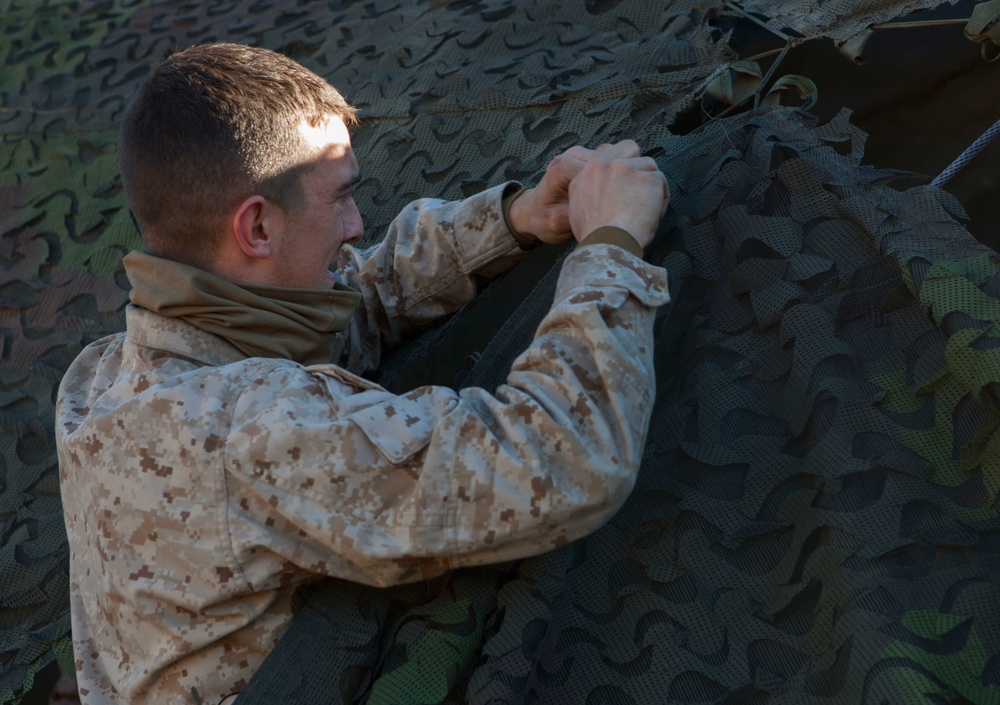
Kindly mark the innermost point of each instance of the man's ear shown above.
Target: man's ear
(254, 226)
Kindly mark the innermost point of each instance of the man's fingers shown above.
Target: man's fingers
(666, 195)
(568, 164)
(626, 149)
(579, 152)
(642, 163)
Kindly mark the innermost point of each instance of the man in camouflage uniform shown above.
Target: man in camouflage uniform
(223, 451)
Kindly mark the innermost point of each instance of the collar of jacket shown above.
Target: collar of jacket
(276, 322)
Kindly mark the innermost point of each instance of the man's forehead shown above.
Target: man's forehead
(328, 138)
(328, 155)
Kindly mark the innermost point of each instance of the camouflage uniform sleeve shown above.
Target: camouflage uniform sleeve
(425, 267)
(334, 475)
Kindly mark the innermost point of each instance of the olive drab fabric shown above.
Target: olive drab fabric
(296, 324)
(202, 487)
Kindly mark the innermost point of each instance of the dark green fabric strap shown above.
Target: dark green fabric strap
(511, 194)
(610, 235)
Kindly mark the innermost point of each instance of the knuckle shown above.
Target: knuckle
(595, 165)
(622, 167)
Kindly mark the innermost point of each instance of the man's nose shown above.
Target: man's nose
(354, 227)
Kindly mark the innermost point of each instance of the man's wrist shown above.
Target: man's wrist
(612, 235)
(513, 218)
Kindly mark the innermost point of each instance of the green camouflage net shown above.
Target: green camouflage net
(815, 515)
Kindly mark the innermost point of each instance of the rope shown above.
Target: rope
(968, 155)
(924, 23)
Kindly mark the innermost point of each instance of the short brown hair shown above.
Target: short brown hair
(210, 126)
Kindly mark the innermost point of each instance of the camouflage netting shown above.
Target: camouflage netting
(838, 19)
(815, 516)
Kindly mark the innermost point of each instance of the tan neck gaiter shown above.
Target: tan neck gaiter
(294, 324)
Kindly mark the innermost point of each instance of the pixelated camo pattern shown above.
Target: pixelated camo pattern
(815, 517)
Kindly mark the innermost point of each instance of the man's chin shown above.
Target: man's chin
(330, 280)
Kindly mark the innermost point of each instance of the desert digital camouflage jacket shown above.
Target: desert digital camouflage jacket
(201, 486)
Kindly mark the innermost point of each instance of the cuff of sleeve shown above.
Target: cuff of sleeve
(607, 265)
(611, 235)
(479, 233)
(511, 193)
